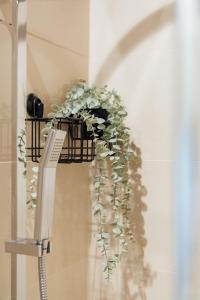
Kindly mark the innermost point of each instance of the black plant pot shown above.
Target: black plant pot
(88, 135)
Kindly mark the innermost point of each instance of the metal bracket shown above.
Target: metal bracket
(28, 247)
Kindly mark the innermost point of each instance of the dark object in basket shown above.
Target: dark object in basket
(87, 135)
(34, 106)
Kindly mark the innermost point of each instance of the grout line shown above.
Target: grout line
(55, 44)
(166, 160)
(143, 161)
(158, 160)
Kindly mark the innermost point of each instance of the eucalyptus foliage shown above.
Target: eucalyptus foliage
(22, 150)
(32, 188)
(112, 180)
(32, 183)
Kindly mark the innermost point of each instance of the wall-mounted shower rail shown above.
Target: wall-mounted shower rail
(19, 62)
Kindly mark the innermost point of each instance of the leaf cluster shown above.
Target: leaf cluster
(112, 180)
(112, 193)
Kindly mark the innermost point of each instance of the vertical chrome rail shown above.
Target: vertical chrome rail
(188, 35)
(18, 266)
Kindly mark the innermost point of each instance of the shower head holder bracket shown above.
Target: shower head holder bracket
(28, 247)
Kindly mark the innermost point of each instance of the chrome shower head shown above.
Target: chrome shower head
(46, 185)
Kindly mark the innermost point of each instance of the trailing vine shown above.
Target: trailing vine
(22, 151)
(113, 180)
(113, 195)
(32, 184)
(32, 188)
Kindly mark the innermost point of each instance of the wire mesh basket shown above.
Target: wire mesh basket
(78, 146)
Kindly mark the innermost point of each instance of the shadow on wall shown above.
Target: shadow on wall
(136, 274)
(145, 28)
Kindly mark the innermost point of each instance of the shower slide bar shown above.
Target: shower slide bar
(41, 245)
(18, 182)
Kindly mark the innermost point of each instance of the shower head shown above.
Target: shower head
(46, 185)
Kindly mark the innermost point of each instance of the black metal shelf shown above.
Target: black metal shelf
(79, 146)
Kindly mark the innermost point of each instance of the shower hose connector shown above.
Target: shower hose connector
(33, 248)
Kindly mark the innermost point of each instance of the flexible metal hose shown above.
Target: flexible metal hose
(42, 278)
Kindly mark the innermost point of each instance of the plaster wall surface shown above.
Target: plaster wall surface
(132, 49)
(128, 45)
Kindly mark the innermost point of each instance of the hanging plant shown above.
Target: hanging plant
(104, 116)
(22, 150)
(32, 184)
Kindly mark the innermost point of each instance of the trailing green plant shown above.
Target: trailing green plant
(22, 151)
(112, 181)
(113, 176)
(32, 188)
(32, 184)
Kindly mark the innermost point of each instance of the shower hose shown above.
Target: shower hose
(42, 278)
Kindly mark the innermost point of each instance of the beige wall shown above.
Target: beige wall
(128, 45)
(58, 44)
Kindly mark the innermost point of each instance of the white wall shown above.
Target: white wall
(132, 49)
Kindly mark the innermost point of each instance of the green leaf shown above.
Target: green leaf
(100, 120)
(116, 257)
(34, 195)
(97, 184)
(79, 92)
(45, 131)
(130, 150)
(105, 268)
(101, 126)
(59, 114)
(35, 169)
(20, 159)
(118, 167)
(98, 208)
(105, 235)
(92, 102)
(117, 231)
(49, 125)
(113, 140)
(51, 115)
(100, 243)
(122, 113)
(111, 152)
(104, 154)
(116, 147)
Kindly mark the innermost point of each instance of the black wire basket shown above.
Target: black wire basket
(78, 146)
